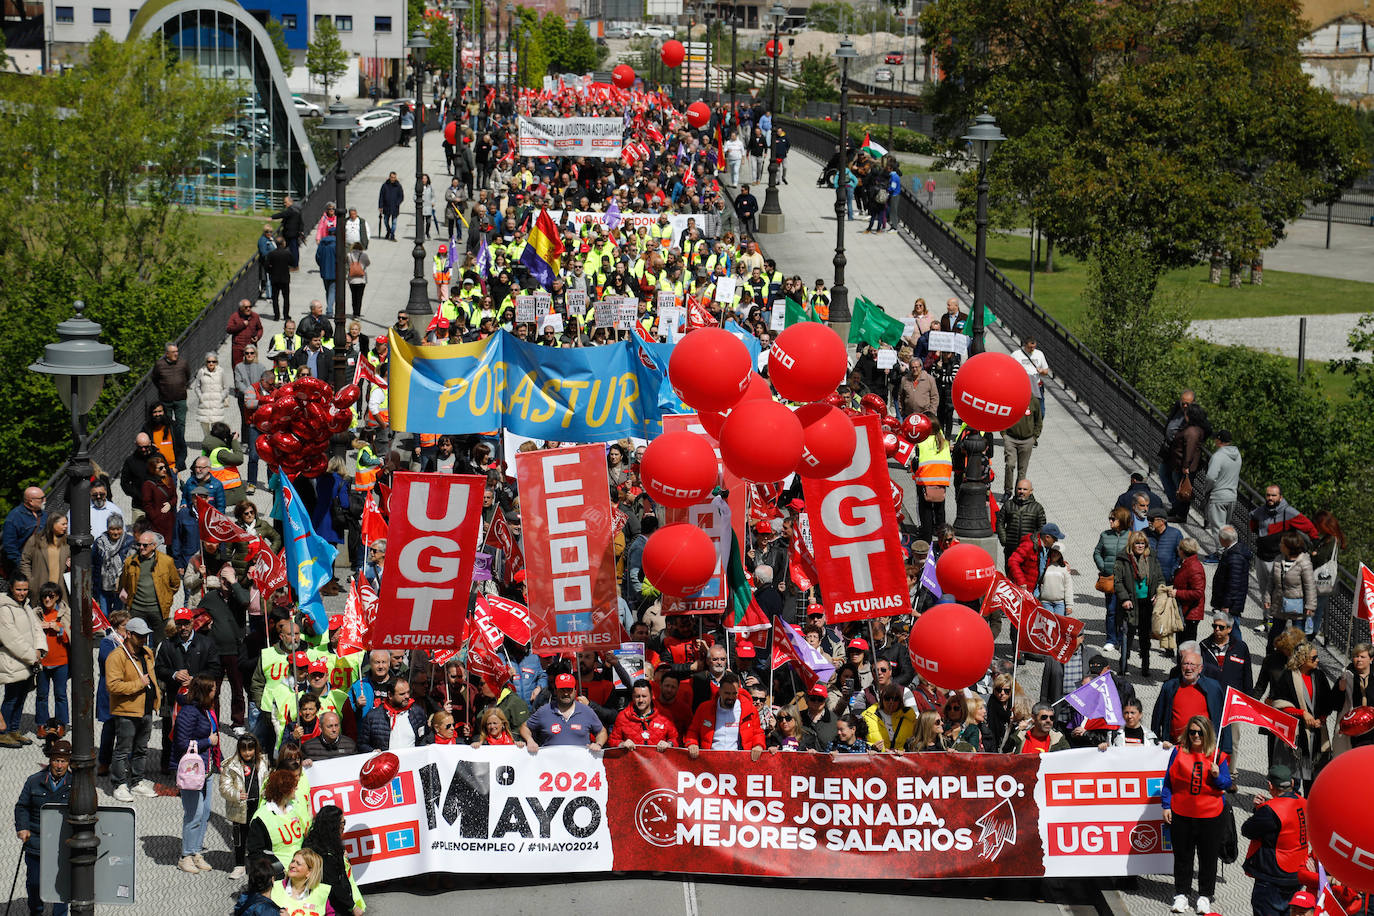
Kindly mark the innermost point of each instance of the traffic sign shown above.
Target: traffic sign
(753, 92)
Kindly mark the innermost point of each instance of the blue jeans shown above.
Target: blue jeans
(849, 200)
(1171, 479)
(1110, 624)
(107, 601)
(31, 887)
(195, 816)
(1313, 624)
(389, 225)
(12, 708)
(1056, 606)
(56, 675)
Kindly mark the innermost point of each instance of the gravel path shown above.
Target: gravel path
(1326, 334)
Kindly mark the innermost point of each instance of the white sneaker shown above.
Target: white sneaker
(145, 790)
(1180, 904)
(188, 865)
(122, 794)
(240, 872)
(1109, 647)
(1204, 906)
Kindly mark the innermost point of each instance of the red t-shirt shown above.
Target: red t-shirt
(1188, 702)
(680, 710)
(1034, 745)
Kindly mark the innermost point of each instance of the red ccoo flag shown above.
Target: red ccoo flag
(1241, 708)
(374, 523)
(1046, 633)
(1364, 596)
(215, 526)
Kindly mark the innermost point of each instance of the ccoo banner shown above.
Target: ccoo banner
(593, 138)
(565, 515)
(435, 520)
(1080, 813)
(854, 530)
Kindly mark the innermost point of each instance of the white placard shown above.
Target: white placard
(543, 303)
(665, 299)
(725, 289)
(576, 301)
(605, 314)
(668, 318)
(949, 342)
(526, 309)
(626, 312)
(908, 327)
(554, 321)
(887, 358)
(778, 321)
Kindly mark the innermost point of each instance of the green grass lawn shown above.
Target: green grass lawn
(228, 240)
(1282, 293)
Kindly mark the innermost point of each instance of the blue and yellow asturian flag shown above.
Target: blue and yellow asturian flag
(569, 394)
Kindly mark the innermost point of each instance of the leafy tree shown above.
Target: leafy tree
(96, 218)
(325, 56)
(819, 78)
(278, 36)
(583, 52)
(1129, 322)
(439, 31)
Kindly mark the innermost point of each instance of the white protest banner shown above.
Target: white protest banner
(948, 342)
(887, 357)
(633, 222)
(576, 301)
(725, 286)
(526, 309)
(595, 138)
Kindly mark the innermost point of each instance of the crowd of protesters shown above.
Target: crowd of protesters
(199, 656)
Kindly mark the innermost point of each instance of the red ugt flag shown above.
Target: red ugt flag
(215, 526)
(1047, 633)
(1241, 708)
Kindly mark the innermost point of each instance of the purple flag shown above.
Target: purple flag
(928, 580)
(1098, 699)
(452, 251)
(483, 259)
(613, 217)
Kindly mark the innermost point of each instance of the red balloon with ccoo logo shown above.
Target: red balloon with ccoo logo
(991, 392)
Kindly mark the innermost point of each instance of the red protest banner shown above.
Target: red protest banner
(565, 515)
(268, 571)
(360, 609)
(1241, 708)
(854, 529)
(1364, 597)
(435, 520)
(1047, 633)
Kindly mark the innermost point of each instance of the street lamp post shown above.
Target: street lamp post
(770, 217)
(482, 63)
(983, 138)
(459, 7)
(734, 70)
(79, 363)
(687, 63)
(510, 34)
(341, 124)
(498, 49)
(839, 293)
(418, 303)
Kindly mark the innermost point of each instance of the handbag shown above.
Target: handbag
(1106, 584)
(880, 197)
(1326, 573)
(934, 494)
(1185, 489)
(1293, 607)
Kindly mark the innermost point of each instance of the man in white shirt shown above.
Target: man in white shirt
(1033, 361)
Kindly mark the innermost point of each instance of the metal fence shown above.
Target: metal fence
(113, 439)
(1355, 206)
(1137, 423)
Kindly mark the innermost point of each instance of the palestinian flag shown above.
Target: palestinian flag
(872, 147)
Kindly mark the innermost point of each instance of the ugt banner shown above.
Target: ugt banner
(854, 529)
(1074, 813)
(595, 138)
(435, 520)
(573, 394)
(565, 516)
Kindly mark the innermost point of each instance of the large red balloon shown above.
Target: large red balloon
(713, 420)
(773, 48)
(874, 404)
(698, 114)
(378, 770)
(829, 440)
(710, 368)
(451, 133)
(917, 427)
(761, 441)
(263, 446)
(348, 396)
(679, 559)
(672, 53)
(623, 76)
(807, 362)
(1341, 812)
(964, 571)
(679, 469)
(951, 646)
(991, 392)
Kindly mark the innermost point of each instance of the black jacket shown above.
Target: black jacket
(292, 223)
(200, 656)
(278, 263)
(324, 363)
(1124, 500)
(39, 789)
(134, 472)
(227, 618)
(1231, 582)
(390, 198)
(1232, 667)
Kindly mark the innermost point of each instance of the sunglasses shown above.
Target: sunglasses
(1002, 690)
(1045, 718)
(784, 718)
(1194, 733)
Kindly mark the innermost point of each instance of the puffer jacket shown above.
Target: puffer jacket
(22, 639)
(1110, 543)
(1293, 579)
(212, 394)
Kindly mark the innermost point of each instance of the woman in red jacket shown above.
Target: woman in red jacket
(1190, 589)
(1193, 802)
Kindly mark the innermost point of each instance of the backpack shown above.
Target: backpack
(355, 268)
(191, 769)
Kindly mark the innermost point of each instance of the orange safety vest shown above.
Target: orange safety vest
(428, 439)
(934, 466)
(227, 476)
(365, 478)
(163, 440)
(1291, 849)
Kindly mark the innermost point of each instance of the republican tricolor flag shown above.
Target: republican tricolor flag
(543, 250)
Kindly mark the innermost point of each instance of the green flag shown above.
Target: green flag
(796, 313)
(871, 325)
(989, 319)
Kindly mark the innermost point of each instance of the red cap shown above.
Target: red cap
(1303, 900)
(301, 660)
(335, 621)
(745, 650)
(183, 613)
(565, 680)
(815, 609)
(763, 528)
(817, 690)
(858, 644)
(519, 576)
(796, 505)
(319, 666)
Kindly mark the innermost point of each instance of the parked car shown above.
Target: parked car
(376, 118)
(895, 57)
(618, 31)
(306, 108)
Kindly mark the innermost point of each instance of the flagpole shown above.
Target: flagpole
(873, 651)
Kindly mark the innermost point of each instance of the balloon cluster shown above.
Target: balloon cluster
(298, 420)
